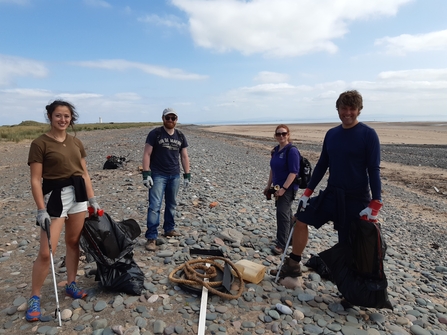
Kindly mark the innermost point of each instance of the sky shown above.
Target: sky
(223, 61)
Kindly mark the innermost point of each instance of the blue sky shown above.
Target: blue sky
(223, 61)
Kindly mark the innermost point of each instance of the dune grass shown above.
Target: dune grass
(28, 130)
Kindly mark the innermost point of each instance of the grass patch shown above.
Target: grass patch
(29, 130)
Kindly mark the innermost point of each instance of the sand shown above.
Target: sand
(389, 132)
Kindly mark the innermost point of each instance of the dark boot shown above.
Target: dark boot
(290, 268)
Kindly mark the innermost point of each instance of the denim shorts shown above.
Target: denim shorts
(69, 204)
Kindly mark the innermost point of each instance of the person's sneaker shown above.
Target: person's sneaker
(33, 311)
(151, 245)
(290, 268)
(74, 291)
(172, 233)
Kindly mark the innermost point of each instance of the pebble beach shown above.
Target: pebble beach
(224, 209)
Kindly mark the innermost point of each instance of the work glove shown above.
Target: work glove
(302, 203)
(43, 215)
(186, 179)
(94, 205)
(372, 210)
(147, 179)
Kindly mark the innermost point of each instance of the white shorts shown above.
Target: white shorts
(69, 204)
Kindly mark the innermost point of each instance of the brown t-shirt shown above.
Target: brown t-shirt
(60, 160)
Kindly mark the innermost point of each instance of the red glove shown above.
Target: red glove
(91, 212)
(302, 203)
(370, 213)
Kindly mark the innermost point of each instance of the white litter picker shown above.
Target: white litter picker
(57, 312)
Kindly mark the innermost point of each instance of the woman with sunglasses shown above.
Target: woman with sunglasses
(284, 167)
(61, 187)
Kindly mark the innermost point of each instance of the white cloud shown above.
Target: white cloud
(271, 77)
(12, 67)
(405, 86)
(27, 93)
(337, 86)
(37, 93)
(79, 96)
(403, 44)
(280, 28)
(123, 65)
(282, 88)
(284, 91)
(170, 21)
(184, 103)
(97, 3)
(416, 74)
(408, 83)
(332, 95)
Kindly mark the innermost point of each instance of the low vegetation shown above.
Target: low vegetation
(28, 130)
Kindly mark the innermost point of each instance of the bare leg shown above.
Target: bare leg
(42, 263)
(300, 237)
(73, 229)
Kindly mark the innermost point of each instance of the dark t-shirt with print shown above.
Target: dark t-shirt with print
(166, 151)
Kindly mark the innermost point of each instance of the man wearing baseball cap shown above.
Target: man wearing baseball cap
(161, 174)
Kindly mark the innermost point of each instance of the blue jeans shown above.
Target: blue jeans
(169, 186)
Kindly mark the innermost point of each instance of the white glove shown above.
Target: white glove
(94, 204)
(147, 179)
(43, 215)
(372, 210)
(186, 179)
(302, 203)
(148, 182)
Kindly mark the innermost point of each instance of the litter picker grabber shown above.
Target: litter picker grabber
(203, 304)
(57, 312)
(284, 253)
(287, 246)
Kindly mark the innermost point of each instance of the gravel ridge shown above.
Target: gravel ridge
(228, 172)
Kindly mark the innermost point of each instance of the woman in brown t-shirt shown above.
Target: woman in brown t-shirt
(61, 187)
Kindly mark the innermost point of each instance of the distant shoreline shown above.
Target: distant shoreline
(394, 123)
(403, 123)
(434, 133)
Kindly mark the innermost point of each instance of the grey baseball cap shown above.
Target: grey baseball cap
(169, 111)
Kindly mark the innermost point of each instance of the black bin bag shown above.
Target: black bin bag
(357, 267)
(111, 244)
(123, 276)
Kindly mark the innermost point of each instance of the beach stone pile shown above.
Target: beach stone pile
(223, 209)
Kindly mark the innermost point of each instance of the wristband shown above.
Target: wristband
(187, 176)
(146, 174)
(285, 188)
(375, 204)
(308, 192)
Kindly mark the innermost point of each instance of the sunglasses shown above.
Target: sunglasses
(281, 134)
(170, 118)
